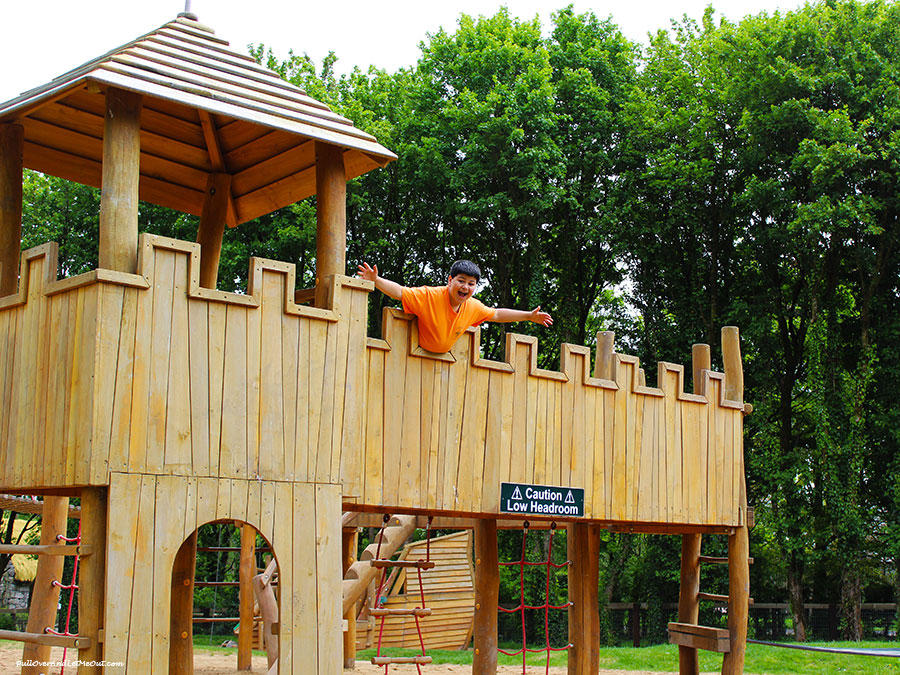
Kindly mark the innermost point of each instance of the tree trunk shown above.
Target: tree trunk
(795, 593)
(851, 599)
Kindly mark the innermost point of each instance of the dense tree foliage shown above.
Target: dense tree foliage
(724, 173)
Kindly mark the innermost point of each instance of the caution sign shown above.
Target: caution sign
(541, 500)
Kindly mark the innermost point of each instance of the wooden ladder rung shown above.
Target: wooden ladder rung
(420, 564)
(719, 561)
(713, 596)
(718, 598)
(700, 637)
(47, 639)
(46, 549)
(389, 660)
(418, 611)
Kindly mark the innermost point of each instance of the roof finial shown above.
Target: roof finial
(187, 13)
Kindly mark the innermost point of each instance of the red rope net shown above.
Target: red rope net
(546, 607)
(72, 586)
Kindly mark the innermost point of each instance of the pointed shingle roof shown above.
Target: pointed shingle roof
(207, 109)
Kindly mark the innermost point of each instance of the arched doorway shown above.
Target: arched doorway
(212, 599)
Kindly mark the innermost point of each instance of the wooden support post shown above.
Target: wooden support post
(12, 144)
(212, 226)
(120, 177)
(246, 572)
(349, 544)
(181, 626)
(44, 595)
(603, 363)
(92, 576)
(331, 217)
(583, 542)
(739, 542)
(689, 600)
(701, 361)
(487, 597)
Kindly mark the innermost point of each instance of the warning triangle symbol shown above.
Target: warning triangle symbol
(570, 498)
(516, 494)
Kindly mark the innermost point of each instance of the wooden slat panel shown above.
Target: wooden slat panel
(328, 557)
(178, 450)
(199, 367)
(233, 448)
(252, 467)
(301, 453)
(305, 641)
(410, 433)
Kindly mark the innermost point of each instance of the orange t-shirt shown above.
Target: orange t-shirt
(439, 325)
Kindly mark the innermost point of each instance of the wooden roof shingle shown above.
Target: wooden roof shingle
(207, 109)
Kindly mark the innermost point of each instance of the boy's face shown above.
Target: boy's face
(461, 288)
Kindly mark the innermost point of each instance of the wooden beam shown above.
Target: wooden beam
(181, 628)
(92, 575)
(731, 357)
(246, 572)
(349, 538)
(331, 217)
(45, 595)
(121, 177)
(487, 597)
(217, 160)
(212, 226)
(12, 144)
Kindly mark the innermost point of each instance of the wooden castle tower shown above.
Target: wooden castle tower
(165, 404)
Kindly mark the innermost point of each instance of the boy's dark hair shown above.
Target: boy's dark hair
(466, 267)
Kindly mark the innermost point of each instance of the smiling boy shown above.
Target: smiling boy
(445, 312)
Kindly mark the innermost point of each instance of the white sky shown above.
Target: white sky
(40, 40)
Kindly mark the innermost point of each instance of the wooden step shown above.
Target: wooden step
(418, 611)
(713, 596)
(420, 564)
(719, 561)
(390, 660)
(700, 637)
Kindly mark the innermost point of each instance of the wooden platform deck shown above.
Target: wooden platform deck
(152, 374)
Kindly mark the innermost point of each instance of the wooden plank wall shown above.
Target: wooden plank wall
(150, 373)
(443, 432)
(150, 516)
(449, 590)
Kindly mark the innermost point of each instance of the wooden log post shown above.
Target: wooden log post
(689, 600)
(212, 226)
(92, 576)
(487, 597)
(12, 144)
(181, 625)
(349, 538)
(331, 218)
(246, 572)
(583, 542)
(44, 594)
(606, 351)
(120, 178)
(739, 542)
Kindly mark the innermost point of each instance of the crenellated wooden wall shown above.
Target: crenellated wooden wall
(152, 374)
(443, 431)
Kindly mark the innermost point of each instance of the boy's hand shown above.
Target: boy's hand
(368, 273)
(537, 316)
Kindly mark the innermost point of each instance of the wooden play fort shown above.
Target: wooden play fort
(165, 404)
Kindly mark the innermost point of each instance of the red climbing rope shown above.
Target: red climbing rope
(72, 586)
(379, 598)
(546, 607)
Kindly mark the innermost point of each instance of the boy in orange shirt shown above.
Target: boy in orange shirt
(445, 312)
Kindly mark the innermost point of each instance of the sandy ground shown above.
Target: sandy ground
(218, 663)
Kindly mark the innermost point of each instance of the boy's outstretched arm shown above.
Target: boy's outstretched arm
(390, 288)
(504, 315)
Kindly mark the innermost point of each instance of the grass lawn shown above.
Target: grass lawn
(760, 659)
